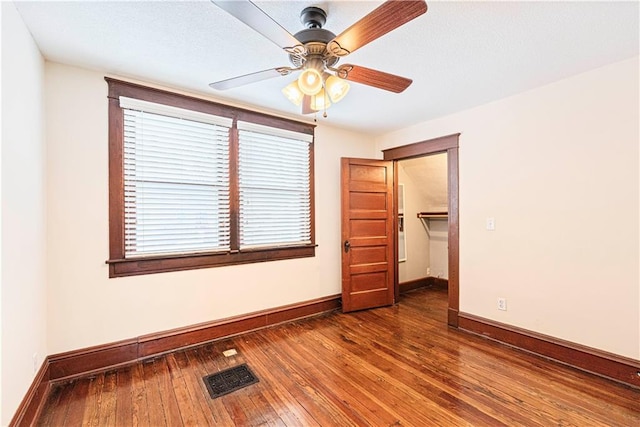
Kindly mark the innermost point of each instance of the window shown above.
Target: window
(273, 175)
(176, 181)
(196, 184)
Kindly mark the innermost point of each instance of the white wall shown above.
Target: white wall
(550, 165)
(23, 280)
(439, 248)
(416, 237)
(86, 307)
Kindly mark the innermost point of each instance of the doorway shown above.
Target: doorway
(449, 145)
(423, 222)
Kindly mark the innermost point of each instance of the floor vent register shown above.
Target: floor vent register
(229, 380)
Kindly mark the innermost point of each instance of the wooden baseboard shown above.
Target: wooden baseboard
(155, 344)
(33, 402)
(76, 363)
(438, 283)
(423, 282)
(608, 365)
(410, 285)
(84, 361)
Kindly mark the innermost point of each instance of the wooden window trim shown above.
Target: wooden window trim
(118, 265)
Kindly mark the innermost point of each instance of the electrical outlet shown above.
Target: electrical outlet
(491, 224)
(428, 271)
(502, 304)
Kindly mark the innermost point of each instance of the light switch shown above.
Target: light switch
(491, 224)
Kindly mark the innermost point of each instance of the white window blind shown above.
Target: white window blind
(176, 180)
(274, 186)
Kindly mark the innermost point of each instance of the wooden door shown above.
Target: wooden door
(368, 261)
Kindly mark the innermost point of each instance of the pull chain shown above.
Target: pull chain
(324, 100)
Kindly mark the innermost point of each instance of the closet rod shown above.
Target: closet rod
(433, 214)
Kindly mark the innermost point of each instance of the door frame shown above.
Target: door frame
(444, 144)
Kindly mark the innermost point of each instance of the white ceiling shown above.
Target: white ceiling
(459, 54)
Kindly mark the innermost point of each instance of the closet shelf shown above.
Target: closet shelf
(433, 215)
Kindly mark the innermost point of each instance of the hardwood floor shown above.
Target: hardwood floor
(391, 366)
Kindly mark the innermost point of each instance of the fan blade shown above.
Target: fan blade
(306, 105)
(374, 78)
(249, 78)
(386, 18)
(256, 18)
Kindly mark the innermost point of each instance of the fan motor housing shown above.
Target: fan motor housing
(314, 37)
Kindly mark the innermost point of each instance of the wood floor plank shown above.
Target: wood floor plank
(190, 375)
(139, 407)
(78, 390)
(167, 392)
(59, 417)
(399, 365)
(156, 411)
(184, 404)
(107, 410)
(91, 415)
(124, 395)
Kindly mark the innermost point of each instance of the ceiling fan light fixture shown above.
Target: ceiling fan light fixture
(320, 101)
(336, 87)
(293, 92)
(310, 81)
(315, 51)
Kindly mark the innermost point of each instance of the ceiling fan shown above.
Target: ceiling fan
(315, 51)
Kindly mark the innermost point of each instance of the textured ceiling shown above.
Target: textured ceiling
(459, 54)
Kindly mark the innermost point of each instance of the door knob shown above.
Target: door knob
(347, 245)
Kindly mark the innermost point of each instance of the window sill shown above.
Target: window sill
(163, 264)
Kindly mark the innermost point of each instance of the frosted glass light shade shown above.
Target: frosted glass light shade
(310, 81)
(293, 92)
(320, 101)
(336, 87)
